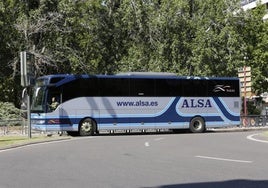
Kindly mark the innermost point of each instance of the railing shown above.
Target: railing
(19, 126)
(254, 121)
(13, 126)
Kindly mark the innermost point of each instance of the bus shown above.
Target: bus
(87, 104)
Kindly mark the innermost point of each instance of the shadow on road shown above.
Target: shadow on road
(240, 183)
(139, 132)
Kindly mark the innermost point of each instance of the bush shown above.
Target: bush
(9, 112)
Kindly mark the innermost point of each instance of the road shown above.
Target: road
(226, 159)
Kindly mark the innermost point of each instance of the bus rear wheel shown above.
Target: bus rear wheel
(87, 127)
(197, 125)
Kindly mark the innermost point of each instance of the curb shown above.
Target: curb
(259, 136)
(237, 129)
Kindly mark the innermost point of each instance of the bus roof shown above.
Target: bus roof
(146, 74)
(65, 78)
(136, 75)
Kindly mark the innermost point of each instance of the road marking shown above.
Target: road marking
(158, 139)
(223, 159)
(250, 137)
(147, 144)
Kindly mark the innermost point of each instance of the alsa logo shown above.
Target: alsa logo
(196, 103)
(223, 88)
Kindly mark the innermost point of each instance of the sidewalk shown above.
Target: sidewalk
(241, 128)
(263, 136)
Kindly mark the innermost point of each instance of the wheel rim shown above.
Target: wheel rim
(197, 125)
(86, 126)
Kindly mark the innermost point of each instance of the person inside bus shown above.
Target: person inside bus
(54, 103)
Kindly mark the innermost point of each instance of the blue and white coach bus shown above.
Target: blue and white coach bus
(88, 104)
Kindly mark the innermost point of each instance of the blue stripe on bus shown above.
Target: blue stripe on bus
(170, 115)
(225, 111)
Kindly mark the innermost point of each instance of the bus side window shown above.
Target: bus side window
(139, 87)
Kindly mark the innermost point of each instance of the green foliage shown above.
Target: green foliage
(218, 45)
(201, 38)
(256, 35)
(252, 107)
(9, 112)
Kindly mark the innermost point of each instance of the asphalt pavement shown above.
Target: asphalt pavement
(55, 136)
(212, 159)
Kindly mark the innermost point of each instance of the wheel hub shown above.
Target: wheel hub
(86, 126)
(197, 125)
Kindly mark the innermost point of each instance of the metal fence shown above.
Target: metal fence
(13, 126)
(254, 121)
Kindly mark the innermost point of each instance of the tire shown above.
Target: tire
(87, 127)
(72, 133)
(197, 125)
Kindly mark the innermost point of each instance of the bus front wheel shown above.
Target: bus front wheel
(87, 127)
(197, 125)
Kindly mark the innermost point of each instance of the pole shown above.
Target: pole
(245, 92)
(29, 112)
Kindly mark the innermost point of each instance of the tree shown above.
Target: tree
(256, 36)
(217, 47)
(200, 38)
(158, 35)
(9, 52)
(42, 32)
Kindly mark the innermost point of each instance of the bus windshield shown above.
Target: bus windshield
(38, 101)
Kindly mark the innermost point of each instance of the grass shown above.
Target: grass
(11, 141)
(16, 138)
(265, 134)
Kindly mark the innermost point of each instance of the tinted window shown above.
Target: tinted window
(192, 88)
(168, 87)
(227, 88)
(114, 87)
(80, 88)
(56, 79)
(142, 87)
(149, 87)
